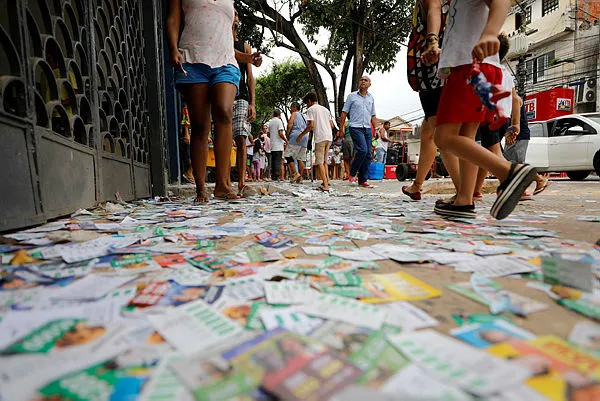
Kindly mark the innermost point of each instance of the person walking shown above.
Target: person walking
(319, 120)
(207, 75)
(296, 151)
(472, 34)
(360, 107)
(278, 143)
(429, 21)
(244, 109)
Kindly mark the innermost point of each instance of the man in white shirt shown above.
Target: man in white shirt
(320, 122)
(278, 143)
(382, 143)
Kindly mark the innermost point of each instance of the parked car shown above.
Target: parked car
(568, 144)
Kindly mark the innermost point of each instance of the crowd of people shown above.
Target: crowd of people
(214, 75)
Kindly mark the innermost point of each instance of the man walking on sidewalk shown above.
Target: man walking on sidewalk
(360, 105)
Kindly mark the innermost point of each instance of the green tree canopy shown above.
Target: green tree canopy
(286, 82)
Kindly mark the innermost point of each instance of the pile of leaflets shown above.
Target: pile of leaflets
(291, 298)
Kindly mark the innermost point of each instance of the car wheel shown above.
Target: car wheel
(402, 171)
(597, 163)
(578, 175)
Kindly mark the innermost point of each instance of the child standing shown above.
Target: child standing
(337, 158)
(472, 33)
(256, 159)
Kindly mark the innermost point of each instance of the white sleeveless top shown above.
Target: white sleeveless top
(207, 36)
(466, 20)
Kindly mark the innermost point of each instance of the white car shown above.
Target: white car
(568, 144)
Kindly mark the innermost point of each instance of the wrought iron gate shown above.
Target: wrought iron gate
(81, 96)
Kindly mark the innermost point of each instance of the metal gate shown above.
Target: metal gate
(81, 105)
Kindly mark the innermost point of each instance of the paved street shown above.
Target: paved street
(215, 280)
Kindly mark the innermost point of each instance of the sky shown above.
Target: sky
(393, 96)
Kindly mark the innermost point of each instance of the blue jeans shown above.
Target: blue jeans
(380, 155)
(361, 137)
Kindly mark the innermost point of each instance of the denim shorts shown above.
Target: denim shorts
(202, 74)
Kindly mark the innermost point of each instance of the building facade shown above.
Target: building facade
(560, 42)
(82, 104)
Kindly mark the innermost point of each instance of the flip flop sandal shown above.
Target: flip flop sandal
(229, 196)
(241, 191)
(542, 188)
(201, 199)
(511, 190)
(412, 195)
(188, 180)
(320, 188)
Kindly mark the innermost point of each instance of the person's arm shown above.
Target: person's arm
(291, 123)
(282, 133)
(374, 120)
(310, 124)
(251, 87)
(384, 136)
(343, 118)
(516, 112)
(431, 54)
(173, 27)
(255, 58)
(488, 43)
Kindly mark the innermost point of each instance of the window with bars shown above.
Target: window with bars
(537, 68)
(528, 14)
(549, 6)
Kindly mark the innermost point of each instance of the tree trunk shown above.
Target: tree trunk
(359, 44)
(287, 29)
(343, 81)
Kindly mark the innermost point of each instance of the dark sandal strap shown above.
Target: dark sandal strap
(511, 173)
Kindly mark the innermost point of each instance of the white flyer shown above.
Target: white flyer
(361, 254)
(289, 319)
(490, 250)
(586, 334)
(450, 258)
(458, 364)
(407, 316)
(245, 288)
(414, 384)
(194, 326)
(316, 250)
(343, 309)
(164, 384)
(288, 292)
(496, 266)
(90, 287)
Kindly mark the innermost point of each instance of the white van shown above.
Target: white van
(568, 144)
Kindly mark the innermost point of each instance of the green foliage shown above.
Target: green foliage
(286, 82)
(386, 24)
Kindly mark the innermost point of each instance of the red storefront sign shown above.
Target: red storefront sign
(548, 104)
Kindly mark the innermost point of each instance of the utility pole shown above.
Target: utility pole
(521, 66)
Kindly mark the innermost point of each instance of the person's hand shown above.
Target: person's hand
(176, 60)
(256, 59)
(251, 112)
(341, 134)
(186, 139)
(298, 139)
(488, 45)
(431, 55)
(515, 129)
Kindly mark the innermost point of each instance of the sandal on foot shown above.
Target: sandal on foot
(540, 188)
(511, 190)
(229, 196)
(412, 195)
(322, 188)
(201, 198)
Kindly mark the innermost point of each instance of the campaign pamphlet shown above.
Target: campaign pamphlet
(571, 273)
(460, 364)
(398, 286)
(483, 335)
(291, 366)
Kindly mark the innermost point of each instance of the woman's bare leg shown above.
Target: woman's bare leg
(197, 98)
(222, 96)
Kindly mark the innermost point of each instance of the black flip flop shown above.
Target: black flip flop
(511, 190)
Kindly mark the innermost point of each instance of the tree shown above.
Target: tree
(283, 84)
(364, 34)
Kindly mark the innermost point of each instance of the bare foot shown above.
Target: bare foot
(225, 194)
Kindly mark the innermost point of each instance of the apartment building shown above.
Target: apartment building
(560, 42)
